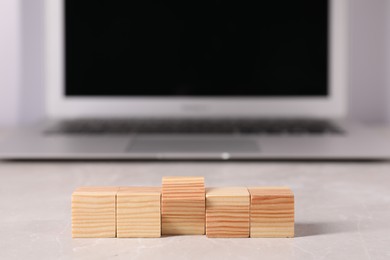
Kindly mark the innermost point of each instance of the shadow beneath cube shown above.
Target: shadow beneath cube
(322, 228)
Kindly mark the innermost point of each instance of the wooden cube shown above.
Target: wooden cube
(272, 212)
(227, 212)
(138, 212)
(94, 212)
(183, 206)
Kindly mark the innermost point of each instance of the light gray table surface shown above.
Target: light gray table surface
(342, 210)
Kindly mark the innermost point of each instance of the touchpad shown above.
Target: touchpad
(145, 144)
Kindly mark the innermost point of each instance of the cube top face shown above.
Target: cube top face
(183, 188)
(232, 196)
(271, 191)
(182, 179)
(143, 191)
(96, 191)
(227, 192)
(190, 181)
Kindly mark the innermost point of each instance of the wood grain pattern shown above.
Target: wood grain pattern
(183, 206)
(138, 212)
(272, 212)
(227, 212)
(94, 212)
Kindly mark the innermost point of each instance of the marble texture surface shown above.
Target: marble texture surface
(342, 210)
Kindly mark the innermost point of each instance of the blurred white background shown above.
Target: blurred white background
(22, 66)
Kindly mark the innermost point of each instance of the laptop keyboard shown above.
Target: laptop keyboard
(197, 126)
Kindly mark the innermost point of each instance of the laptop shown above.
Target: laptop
(196, 80)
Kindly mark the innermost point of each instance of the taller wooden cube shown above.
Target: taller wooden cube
(227, 212)
(138, 212)
(183, 206)
(94, 212)
(272, 212)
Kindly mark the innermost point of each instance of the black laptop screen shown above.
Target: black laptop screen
(196, 48)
